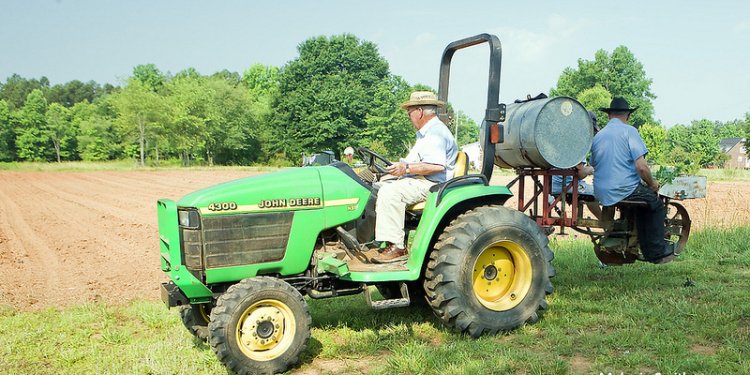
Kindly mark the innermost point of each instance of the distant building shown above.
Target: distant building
(473, 153)
(736, 148)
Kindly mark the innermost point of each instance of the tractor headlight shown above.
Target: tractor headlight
(189, 219)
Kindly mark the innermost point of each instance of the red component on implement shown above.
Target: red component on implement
(494, 133)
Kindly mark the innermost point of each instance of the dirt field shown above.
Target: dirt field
(69, 238)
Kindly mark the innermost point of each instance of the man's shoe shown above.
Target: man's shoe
(664, 260)
(390, 255)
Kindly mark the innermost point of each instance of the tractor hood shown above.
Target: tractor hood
(292, 189)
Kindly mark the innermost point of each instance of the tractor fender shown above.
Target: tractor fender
(440, 210)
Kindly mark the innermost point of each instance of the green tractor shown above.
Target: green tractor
(242, 255)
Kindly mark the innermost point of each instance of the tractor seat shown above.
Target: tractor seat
(625, 203)
(462, 168)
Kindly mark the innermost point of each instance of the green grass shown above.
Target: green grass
(726, 174)
(690, 316)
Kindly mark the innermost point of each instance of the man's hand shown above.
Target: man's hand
(397, 169)
(654, 186)
(645, 173)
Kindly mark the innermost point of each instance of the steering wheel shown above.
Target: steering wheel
(376, 163)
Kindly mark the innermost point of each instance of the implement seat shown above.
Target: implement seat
(462, 168)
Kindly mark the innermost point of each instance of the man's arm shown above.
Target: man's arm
(645, 172)
(422, 169)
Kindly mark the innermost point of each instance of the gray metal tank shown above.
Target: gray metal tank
(545, 133)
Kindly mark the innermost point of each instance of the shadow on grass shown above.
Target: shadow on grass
(352, 312)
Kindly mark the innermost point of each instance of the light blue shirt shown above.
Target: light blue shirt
(435, 145)
(613, 155)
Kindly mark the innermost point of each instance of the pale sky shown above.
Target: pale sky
(696, 52)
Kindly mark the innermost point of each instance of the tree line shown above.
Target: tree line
(337, 92)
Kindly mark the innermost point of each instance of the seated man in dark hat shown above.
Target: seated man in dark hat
(618, 157)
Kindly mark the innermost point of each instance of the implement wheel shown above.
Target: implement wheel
(489, 272)
(677, 225)
(196, 318)
(259, 326)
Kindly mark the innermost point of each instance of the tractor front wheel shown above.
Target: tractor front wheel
(489, 271)
(195, 318)
(260, 325)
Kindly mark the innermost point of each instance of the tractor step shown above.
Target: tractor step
(388, 303)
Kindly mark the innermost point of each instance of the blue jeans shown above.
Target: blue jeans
(650, 223)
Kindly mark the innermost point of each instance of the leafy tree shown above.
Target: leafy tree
(7, 133)
(32, 141)
(326, 95)
(16, 89)
(731, 129)
(149, 76)
(97, 139)
(234, 136)
(59, 129)
(187, 73)
(705, 142)
(388, 130)
(261, 79)
(233, 78)
(619, 73)
(655, 138)
(594, 98)
(141, 113)
(468, 130)
(263, 85)
(74, 92)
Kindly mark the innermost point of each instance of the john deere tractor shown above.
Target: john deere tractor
(243, 255)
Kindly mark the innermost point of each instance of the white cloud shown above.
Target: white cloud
(533, 45)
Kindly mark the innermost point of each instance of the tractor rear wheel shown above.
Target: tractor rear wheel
(260, 325)
(196, 318)
(489, 271)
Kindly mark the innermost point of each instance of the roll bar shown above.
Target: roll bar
(491, 130)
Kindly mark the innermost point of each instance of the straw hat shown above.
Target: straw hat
(422, 98)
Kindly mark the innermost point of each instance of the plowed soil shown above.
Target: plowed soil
(68, 238)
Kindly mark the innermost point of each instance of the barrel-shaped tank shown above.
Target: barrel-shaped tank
(545, 133)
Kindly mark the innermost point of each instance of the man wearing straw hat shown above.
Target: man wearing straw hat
(618, 156)
(430, 161)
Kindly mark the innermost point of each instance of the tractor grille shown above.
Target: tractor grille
(233, 240)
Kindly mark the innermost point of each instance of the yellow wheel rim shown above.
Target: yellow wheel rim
(501, 276)
(202, 308)
(266, 330)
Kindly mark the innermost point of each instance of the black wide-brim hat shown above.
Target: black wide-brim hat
(618, 105)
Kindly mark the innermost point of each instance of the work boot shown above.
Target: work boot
(664, 260)
(391, 254)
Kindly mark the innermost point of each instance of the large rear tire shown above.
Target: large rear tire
(259, 326)
(489, 272)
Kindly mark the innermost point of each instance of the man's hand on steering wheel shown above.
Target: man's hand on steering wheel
(397, 169)
(371, 157)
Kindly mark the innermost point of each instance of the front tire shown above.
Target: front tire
(489, 272)
(195, 317)
(260, 325)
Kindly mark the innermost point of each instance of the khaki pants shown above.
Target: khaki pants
(393, 198)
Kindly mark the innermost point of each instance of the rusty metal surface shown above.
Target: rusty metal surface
(685, 187)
